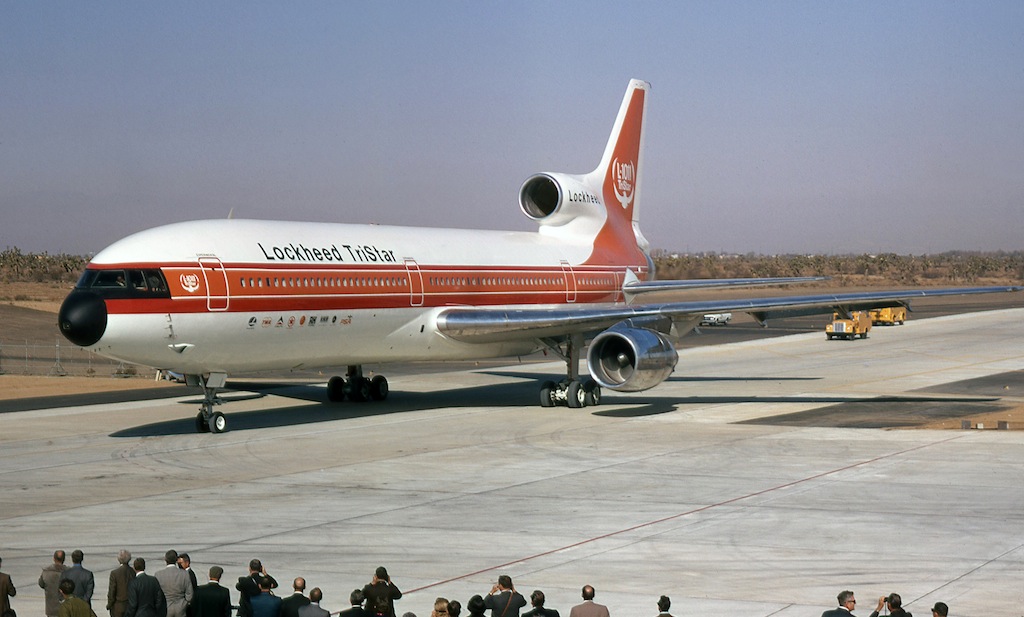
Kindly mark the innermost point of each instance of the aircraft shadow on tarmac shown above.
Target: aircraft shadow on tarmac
(518, 394)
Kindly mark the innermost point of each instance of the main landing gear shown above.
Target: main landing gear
(357, 388)
(571, 391)
(208, 420)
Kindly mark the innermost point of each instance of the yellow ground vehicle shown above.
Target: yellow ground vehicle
(858, 324)
(889, 316)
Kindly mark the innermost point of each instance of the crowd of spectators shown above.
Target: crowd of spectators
(174, 591)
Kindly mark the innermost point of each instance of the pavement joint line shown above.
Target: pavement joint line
(690, 512)
(969, 572)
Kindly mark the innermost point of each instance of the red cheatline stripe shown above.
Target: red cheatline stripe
(689, 512)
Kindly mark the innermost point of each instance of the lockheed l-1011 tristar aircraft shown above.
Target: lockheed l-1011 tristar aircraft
(211, 298)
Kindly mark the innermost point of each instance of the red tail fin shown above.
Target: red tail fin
(618, 177)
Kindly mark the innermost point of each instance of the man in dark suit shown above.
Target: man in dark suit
(356, 610)
(212, 600)
(248, 587)
(82, 578)
(589, 608)
(504, 600)
(846, 605)
(145, 598)
(381, 594)
(537, 600)
(290, 605)
(117, 587)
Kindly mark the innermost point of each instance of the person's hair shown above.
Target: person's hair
(454, 608)
(255, 565)
(264, 582)
(537, 598)
(476, 605)
(299, 584)
(171, 556)
(505, 581)
(381, 572)
(941, 608)
(356, 597)
(844, 596)
(588, 592)
(440, 606)
(184, 557)
(664, 604)
(139, 565)
(58, 555)
(67, 586)
(124, 556)
(316, 595)
(894, 600)
(216, 572)
(77, 556)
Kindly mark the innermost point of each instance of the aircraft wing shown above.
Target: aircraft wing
(483, 324)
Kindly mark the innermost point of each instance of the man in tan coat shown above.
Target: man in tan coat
(48, 581)
(7, 590)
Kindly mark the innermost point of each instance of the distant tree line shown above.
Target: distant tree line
(18, 267)
(998, 268)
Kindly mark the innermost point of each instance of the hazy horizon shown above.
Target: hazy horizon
(773, 128)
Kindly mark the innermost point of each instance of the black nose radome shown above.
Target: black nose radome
(82, 318)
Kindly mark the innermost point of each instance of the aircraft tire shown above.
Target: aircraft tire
(574, 395)
(591, 393)
(546, 390)
(336, 389)
(202, 426)
(218, 423)
(359, 389)
(379, 388)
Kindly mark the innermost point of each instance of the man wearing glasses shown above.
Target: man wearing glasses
(846, 605)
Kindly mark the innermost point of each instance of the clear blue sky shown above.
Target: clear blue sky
(774, 127)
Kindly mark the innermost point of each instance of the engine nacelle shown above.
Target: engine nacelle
(631, 359)
(555, 199)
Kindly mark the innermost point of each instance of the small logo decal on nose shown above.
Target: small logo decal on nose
(189, 282)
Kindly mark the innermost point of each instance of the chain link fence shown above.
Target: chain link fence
(61, 358)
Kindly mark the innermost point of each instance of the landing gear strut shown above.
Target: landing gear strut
(357, 388)
(571, 391)
(208, 420)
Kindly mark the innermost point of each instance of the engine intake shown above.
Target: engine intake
(631, 359)
(556, 199)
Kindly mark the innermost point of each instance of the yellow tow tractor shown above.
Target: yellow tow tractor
(889, 316)
(858, 323)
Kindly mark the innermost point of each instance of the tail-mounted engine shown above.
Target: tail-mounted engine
(554, 199)
(631, 359)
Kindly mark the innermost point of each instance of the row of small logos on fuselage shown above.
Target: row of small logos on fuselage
(297, 322)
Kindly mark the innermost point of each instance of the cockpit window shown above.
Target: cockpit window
(125, 283)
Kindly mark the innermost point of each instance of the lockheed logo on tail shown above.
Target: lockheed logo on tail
(623, 181)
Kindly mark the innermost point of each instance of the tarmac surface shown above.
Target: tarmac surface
(747, 484)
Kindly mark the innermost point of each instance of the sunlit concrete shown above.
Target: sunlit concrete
(460, 476)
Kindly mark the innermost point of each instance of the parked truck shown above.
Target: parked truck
(858, 324)
(889, 316)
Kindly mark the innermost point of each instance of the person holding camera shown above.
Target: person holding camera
(504, 600)
(895, 604)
